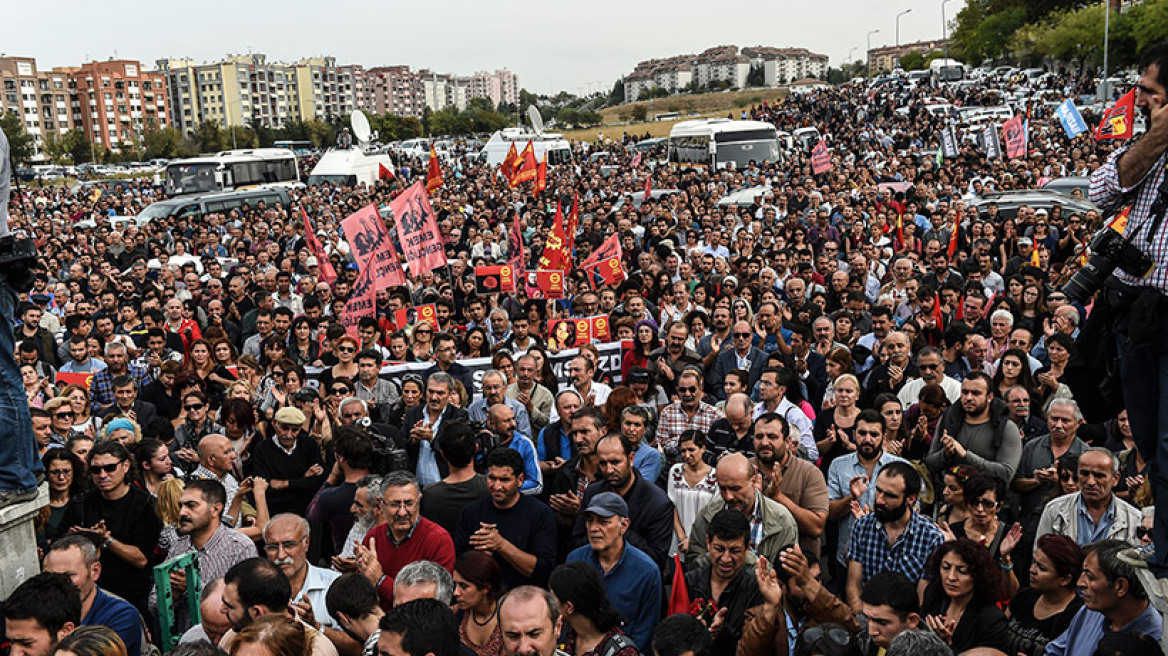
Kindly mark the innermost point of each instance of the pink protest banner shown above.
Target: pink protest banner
(417, 230)
(327, 272)
(361, 300)
(1015, 133)
(371, 247)
(820, 159)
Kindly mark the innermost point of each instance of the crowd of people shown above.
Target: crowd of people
(849, 418)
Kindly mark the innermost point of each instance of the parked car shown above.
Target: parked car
(1009, 201)
(1067, 185)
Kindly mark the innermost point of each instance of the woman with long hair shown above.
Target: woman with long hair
(1032, 308)
(502, 362)
(237, 416)
(838, 362)
(1059, 347)
(168, 504)
(691, 484)
(475, 344)
(65, 474)
(621, 397)
(154, 465)
(226, 361)
(90, 640)
(645, 341)
(1014, 369)
(346, 366)
(422, 340)
(37, 388)
(478, 585)
(413, 393)
(593, 625)
(544, 375)
(273, 635)
(1042, 612)
(280, 395)
(199, 359)
(302, 348)
(890, 407)
(698, 322)
(922, 418)
(960, 600)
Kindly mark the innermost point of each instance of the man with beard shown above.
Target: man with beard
(772, 527)
(1094, 512)
(931, 366)
(586, 427)
(200, 528)
(977, 432)
(668, 361)
(793, 482)
(711, 345)
(725, 579)
(76, 557)
(404, 537)
(848, 480)
(256, 588)
(893, 536)
(650, 510)
(745, 355)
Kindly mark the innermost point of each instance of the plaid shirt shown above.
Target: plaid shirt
(869, 547)
(101, 390)
(674, 421)
(1108, 194)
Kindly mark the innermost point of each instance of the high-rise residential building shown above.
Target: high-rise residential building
(442, 90)
(116, 102)
(236, 91)
(40, 98)
(319, 89)
(723, 65)
(500, 87)
(393, 90)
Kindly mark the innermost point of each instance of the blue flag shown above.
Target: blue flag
(1072, 121)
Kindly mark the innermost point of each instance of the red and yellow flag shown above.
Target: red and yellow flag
(527, 166)
(507, 169)
(434, 174)
(541, 176)
(953, 237)
(555, 251)
(1119, 120)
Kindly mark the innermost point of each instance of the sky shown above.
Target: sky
(552, 46)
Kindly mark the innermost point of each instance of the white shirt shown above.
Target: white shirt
(797, 421)
(910, 393)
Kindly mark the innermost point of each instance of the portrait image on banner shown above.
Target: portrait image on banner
(569, 333)
(409, 317)
(371, 247)
(417, 230)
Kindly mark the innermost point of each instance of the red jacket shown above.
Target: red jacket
(428, 541)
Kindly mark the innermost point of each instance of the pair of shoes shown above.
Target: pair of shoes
(10, 498)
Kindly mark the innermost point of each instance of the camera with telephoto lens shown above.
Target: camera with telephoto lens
(1109, 250)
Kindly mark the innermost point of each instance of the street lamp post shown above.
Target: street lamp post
(870, 51)
(898, 16)
(945, 29)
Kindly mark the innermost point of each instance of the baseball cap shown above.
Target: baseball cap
(312, 262)
(1025, 241)
(607, 504)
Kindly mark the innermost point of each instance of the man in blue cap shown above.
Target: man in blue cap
(631, 578)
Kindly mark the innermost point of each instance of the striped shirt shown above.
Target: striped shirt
(1107, 192)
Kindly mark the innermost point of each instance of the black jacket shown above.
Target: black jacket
(414, 416)
(650, 518)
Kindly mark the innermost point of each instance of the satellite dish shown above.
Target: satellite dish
(536, 120)
(360, 126)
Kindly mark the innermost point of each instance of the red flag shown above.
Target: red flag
(679, 596)
(527, 167)
(417, 230)
(383, 172)
(551, 283)
(953, 237)
(1119, 119)
(434, 174)
(937, 313)
(611, 247)
(900, 230)
(540, 176)
(555, 251)
(507, 169)
(648, 188)
(327, 272)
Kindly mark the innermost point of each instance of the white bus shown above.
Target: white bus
(715, 142)
(557, 148)
(231, 169)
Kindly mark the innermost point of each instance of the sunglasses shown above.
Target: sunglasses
(928, 367)
(65, 415)
(346, 349)
(983, 503)
(423, 332)
(194, 406)
(743, 335)
(339, 390)
(109, 469)
(1067, 476)
(1143, 532)
(836, 635)
(687, 390)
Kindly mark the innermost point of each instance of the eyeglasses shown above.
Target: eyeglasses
(65, 415)
(194, 406)
(60, 473)
(1068, 476)
(346, 349)
(109, 469)
(817, 633)
(286, 545)
(988, 504)
(687, 390)
(339, 390)
(407, 504)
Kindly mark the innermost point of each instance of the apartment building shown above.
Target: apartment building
(392, 90)
(885, 58)
(41, 98)
(500, 87)
(725, 65)
(115, 102)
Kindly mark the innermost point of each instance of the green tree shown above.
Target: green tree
(162, 142)
(56, 148)
(639, 112)
(78, 147)
(209, 137)
(756, 77)
(568, 116)
(1149, 24)
(913, 61)
(1074, 36)
(321, 133)
(617, 95)
(21, 144)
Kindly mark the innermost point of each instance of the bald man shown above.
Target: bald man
(212, 622)
(733, 433)
(217, 462)
(744, 355)
(772, 527)
(501, 422)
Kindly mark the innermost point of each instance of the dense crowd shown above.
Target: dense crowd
(853, 414)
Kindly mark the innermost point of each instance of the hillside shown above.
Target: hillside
(617, 118)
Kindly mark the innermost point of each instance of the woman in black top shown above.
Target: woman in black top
(1041, 612)
(960, 601)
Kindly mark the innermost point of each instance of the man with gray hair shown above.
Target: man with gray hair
(529, 619)
(494, 393)
(1094, 512)
(918, 642)
(1037, 473)
(366, 511)
(286, 539)
(421, 424)
(423, 579)
(213, 623)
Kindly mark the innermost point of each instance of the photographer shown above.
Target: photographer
(1136, 175)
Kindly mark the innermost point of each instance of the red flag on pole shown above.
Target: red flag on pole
(953, 237)
(540, 176)
(508, 167)
(434, 174)
(383, 172)
(327, 272)
(1119, 119)
(938, 314)
(555, 251)
(527, 166)
(648, 188)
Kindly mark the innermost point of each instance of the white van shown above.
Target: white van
(349, 167)
(557, 148)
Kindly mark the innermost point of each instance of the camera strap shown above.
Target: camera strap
(1156, 214)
